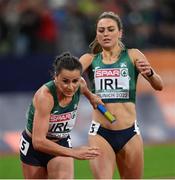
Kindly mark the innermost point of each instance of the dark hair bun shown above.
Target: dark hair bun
(64, 55)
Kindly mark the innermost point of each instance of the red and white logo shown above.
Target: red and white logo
(60, 117)
(107, 73)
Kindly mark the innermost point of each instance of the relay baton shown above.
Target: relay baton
(106, 113)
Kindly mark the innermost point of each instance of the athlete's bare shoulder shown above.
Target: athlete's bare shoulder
(86, 60)
(135, 54)
(87, 55)
(134, 51)
(43, 96)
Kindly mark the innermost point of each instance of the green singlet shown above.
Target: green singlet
(114, 82)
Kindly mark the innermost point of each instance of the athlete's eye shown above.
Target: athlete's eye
(101, 30)
(66, 81)
(111, 29)
(75, 81)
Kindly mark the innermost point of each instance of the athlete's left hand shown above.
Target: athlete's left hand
(143, 67)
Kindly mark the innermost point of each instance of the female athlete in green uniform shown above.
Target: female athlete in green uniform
(113, 72)
(45, 146)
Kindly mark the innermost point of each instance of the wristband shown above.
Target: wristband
(152, 73)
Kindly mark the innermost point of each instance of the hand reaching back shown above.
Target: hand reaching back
(85, 152)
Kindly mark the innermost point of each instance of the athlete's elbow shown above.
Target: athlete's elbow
(159, 87)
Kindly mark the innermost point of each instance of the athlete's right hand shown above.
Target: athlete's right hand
(85, 152)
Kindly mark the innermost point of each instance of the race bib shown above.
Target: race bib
(60, 125)
(112, 83)
(24, 145)
(94, 128)
(136, 128)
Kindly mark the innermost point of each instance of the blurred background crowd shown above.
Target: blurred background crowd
(53, 26)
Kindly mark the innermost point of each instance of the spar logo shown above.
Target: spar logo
(62, 117)
(107, 73)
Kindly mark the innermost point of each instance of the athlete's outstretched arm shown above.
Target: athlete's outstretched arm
(93, 98)
(43, 103)
(146, 70)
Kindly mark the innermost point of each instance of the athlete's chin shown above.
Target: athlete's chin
(69, 94)
(107, 45)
